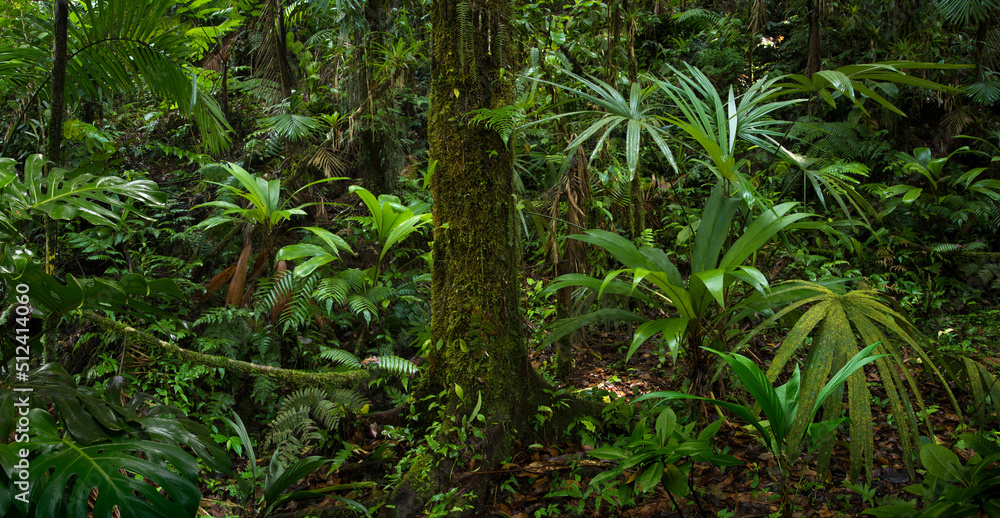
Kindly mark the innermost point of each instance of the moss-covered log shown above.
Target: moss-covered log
(288, 376)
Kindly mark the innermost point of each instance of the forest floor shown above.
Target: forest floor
(552, 477)
(749, 490)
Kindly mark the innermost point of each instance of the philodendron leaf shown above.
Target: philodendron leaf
(66, 473)
(62, 194)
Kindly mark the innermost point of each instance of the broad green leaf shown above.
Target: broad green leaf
(62, 194)
(649, 478)
(911, 195)
(665, 423)
(78, 469)
(609, 453)
(672, 329)
(674, 480)
(941, 462)
(566, 326)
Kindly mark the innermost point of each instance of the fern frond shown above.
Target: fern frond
(332, 290)
(348, 399)
(340, 357)
(504, 120)
(362, 306)
(396, 367)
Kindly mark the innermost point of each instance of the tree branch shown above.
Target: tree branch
(289, 376)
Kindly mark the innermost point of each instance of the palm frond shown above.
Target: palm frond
(839, 324)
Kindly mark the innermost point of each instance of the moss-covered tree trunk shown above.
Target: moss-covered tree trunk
(475, 289)
(480, 350)
(60, 17)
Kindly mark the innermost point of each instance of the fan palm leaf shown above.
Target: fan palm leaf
(115, 45)
(636, 112)
(717, 125)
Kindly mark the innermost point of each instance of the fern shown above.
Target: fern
(504, 120)
(466, 41)
(382, 366)
(699, 18)
(306, 416)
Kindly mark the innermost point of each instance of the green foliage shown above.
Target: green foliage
(95, 438)
(307, 417)
(113, 47)
(837, 320)
(637, 113)
(504, 120)
(241, 333)
(716, 124)
(655, 454)
(126, 296)
(857, 82)
(328, 250)
(275, 480)
(391, 221)
(950, 489)
(703, 300)
(62, 194)
(780, 405)
(267, 210)
(383, 366)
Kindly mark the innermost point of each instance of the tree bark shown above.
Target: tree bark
(813, 62)
(479, 351)
(60, 20)
(60, 16)
(284, 69)
(474, 291)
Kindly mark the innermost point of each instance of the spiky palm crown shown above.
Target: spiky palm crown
(836, 322)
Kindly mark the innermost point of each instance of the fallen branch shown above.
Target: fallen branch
(289, 376)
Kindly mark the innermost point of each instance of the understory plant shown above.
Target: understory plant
(128, 451)
(836, 321)
(781, 406)
(699, 305)
(951, 489)
(661, 454)
(278, 478)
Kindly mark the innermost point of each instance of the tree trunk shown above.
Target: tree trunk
(981, 32)
(60, 20)
(60, 16)
(479, 349)
(380, 152)
(813, 63)
(474, 290)
(281, 46)
(576, 186)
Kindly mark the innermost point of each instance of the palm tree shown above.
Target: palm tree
(637, 113)
(977, 13)
(111, 46)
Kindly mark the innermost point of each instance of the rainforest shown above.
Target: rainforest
(429, 258)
